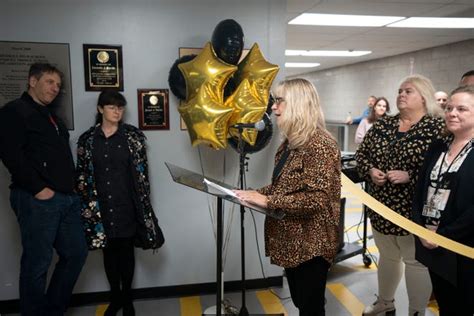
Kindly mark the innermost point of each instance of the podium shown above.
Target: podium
(221, 191)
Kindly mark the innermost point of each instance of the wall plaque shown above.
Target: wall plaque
(103, 67)
(15, 61)
(153, 109)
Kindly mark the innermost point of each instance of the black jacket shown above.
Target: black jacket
(456, 222)
(34, 151)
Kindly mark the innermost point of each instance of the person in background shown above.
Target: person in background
(443, 203)
(381, 108)
(306, 186)
(389, 159)
(370, 104)
(34, 146)
(112, 181)
(467, 78)
(441, 99)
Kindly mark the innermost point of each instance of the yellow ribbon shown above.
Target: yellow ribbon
(404, 222)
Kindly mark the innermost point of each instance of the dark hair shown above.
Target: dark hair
(109, 97)
(461, 89)
(468, 74)
(39, 69)
(372, 118)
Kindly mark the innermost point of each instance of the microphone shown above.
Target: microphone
(259, 126)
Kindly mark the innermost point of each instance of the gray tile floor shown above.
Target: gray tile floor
(350, 286)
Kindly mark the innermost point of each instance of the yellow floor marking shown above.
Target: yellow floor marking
(354, 209)
(358, 228)
(270, 303)
(373, 249)
(362, 267)
(101, 310)
(433, 307)
(190, 306)
(346, 298)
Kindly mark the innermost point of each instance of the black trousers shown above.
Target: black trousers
(452, 300)
(119, 264)
(307, 284)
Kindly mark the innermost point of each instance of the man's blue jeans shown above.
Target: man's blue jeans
(44, 225)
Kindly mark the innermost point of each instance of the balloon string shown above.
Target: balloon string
(212, 208)
(209, 202)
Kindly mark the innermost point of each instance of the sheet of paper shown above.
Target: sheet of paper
(220, 189)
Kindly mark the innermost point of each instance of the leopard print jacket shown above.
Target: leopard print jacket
(308, 191)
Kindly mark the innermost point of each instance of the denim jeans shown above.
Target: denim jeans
(44, 225)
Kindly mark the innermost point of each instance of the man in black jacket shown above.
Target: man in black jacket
(34, 146)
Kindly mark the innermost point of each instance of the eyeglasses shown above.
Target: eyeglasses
(278, 100)
(112, 107)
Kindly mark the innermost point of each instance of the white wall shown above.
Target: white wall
(346, 88)
(151, 33)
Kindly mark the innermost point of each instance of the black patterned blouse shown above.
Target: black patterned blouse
(383, 149)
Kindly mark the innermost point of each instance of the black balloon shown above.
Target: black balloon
(228, 41)
(176, 79)
(263, 137)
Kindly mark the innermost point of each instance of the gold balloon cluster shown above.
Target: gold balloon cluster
(207, 115)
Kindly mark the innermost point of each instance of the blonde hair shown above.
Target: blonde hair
(424, 86)
(302, 116)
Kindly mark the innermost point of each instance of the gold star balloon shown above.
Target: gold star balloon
(259, 72)
(206, 118)
(247, 108)
(206, 68)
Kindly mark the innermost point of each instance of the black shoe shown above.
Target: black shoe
(128, 309)
(113, 309)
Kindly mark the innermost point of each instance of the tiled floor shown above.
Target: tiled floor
(350, 287)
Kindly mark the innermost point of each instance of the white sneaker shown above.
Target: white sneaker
(380, 306)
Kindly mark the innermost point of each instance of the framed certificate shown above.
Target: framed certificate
(103, 68)
(153, 109)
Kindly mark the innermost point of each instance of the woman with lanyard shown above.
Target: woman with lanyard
(444, 203)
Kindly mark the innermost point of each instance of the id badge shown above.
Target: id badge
(430, 211)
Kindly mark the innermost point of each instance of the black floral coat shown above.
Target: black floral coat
(148, 233)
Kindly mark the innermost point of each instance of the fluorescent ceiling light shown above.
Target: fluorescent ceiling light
(444, 23)
(344, 20)
(336, 53)
(301, 65)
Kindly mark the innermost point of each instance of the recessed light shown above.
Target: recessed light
(301, 65)
(442, 23)
(335, 53)
(344, 20)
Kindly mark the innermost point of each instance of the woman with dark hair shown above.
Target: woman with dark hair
(306, 186)
(381, 108)
(444, 203)
(112, 181)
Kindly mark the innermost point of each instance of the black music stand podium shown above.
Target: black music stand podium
(217, 189)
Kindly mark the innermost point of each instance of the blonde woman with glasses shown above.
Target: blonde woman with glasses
(306, 187)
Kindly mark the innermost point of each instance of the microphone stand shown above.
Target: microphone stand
(242, 165)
